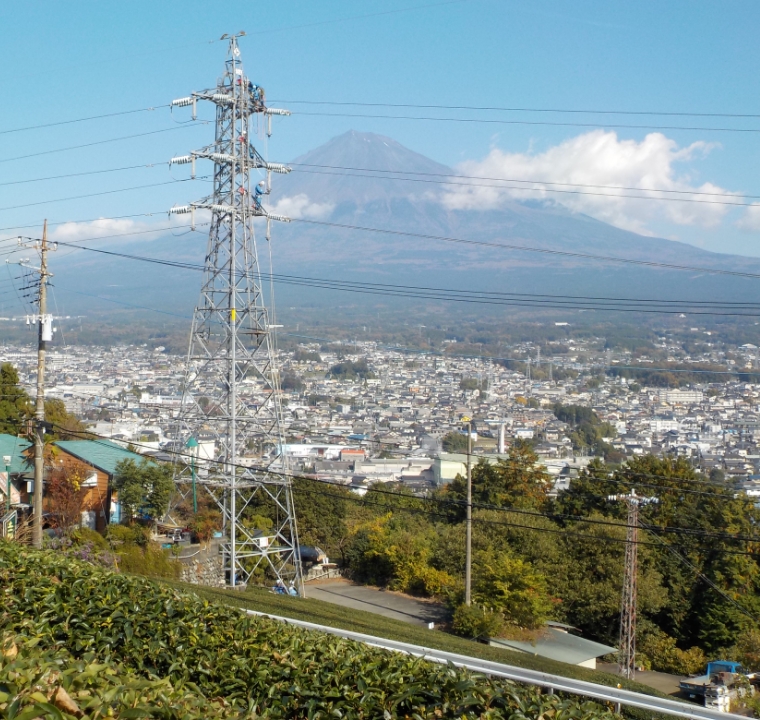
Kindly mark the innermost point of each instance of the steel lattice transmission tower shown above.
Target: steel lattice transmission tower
(628, 604)
(231, 388)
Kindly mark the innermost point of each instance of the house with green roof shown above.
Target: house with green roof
(94, 463)
(14, 470)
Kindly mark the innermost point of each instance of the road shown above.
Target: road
(664, 682)
(528, 677)
(381, 602)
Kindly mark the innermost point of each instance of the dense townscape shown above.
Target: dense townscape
(360, 413)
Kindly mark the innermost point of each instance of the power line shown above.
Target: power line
(668, 477)
(357, 17)
(455, 175)
(94, 437)
(660, 488)
(89, 220)
(83, 119)
(497, 358)
(527, 248)
(491, 108)
(100, 142)
(104, 192)
(476, 295)
(435, 294)
(703, 577)
(126, 304)
(489, 506)
(548, 189)
(494, 121)
(82, 174)
(389, 175)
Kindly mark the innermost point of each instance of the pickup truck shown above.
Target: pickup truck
(723, 682)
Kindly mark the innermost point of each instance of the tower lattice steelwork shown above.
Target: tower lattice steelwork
(629, 598)
(230, 419)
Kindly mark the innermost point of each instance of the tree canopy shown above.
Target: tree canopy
(144, 489)
(15, 404)
(352, 370)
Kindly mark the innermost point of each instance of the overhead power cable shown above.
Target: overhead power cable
(675, 490)
(82, 174)
(82, 119)
(428, 500)
(457, 175)
(527, 248)
(101, 142)
(452, 179)
(564, 532)
(499, 358)
(130, 233)
(491, 108)
(447, 294)
(521, 188)
(495, 121)
(161, 212)
(703, 577)
(103, 192)
(381, 13)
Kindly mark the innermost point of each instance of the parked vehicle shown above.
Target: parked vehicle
(722, 684)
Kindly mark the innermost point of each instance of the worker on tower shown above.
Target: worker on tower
(258, 192)
(257, 96)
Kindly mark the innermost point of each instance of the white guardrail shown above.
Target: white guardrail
(522, 675)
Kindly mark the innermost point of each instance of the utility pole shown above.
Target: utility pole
(231, 360)
(39, 410)
(628, 605)
(44, 336)
(468, 540)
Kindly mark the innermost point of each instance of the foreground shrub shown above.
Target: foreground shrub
(41, 683)
(473, 621)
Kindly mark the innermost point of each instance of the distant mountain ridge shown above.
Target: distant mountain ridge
(354, 180)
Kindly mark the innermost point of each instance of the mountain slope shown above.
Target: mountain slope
(355, 180)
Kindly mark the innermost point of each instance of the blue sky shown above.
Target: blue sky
(70, 60)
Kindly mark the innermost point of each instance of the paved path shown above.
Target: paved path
(381, 602)
(663, 682)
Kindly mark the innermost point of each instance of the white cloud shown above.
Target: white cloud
(599, 158)
(121, 229)
(751, 218)
(299, 206)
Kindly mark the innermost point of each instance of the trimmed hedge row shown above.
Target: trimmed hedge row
(69, 617)
(37, 683)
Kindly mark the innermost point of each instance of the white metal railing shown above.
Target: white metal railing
(616, 695)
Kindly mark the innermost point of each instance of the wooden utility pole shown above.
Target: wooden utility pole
(45, 330)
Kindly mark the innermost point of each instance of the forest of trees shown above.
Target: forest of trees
(536, 558)
(586, 431)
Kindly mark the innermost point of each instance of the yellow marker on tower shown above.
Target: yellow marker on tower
(233, 314)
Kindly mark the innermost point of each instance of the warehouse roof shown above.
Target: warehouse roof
(555, 644)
